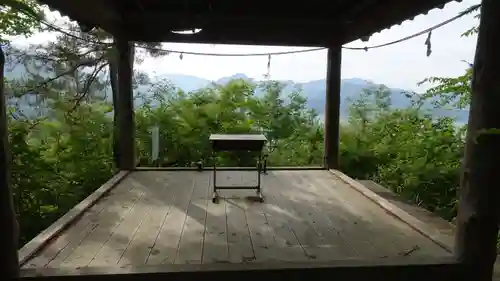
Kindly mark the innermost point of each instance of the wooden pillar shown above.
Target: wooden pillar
(332, 108)
(9, 234)
(125, 105)
(478, 216)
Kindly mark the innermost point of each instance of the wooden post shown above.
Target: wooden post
(478, 216)
(9, 234)
(125, 106)
(113, 79)
(332, 108)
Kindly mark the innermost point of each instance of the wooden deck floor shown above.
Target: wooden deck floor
(165, 217)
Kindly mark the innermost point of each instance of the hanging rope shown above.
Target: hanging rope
(428, 43)
(268, 74)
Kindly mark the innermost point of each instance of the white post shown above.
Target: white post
(155, 143)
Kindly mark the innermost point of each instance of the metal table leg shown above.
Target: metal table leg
(215, 195)
(259, 168)
(264, 171)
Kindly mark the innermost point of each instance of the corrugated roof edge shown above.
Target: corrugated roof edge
(440, 7)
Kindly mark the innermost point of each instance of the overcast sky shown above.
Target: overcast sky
(401, 65)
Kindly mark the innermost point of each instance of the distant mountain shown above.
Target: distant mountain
(187, 83)
(313, 90)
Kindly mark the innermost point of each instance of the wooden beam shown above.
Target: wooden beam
(9, 234)
(125, 107)
(406, 269)
(332, 107)
(167, 18)
(479, 209)
(113, 79)
(236, 33)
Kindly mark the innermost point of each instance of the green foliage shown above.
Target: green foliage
(19, 17)
(450, 91)
(474, 29)
(404, 150)
(186, 120)
(54, 164)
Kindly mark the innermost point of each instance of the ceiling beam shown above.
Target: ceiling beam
(231, 34)
(161, 18)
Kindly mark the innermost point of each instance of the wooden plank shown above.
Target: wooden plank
(262, 235)
(422, 228)
(190, 249)
(166, 245)
(387, 269)
(162, 199)
(333, 245)
(443, 226)
(366, 228)
(402, 241)
(121, 192)
(67, 239)
(405, 237)
(30, 248)
(60, 247)
(107, 224)
(327, 243)
(173, 223)
(405, 233)
(238, 236)
(215, 248)
(346, 220)
(289, 247)
(111, 252)
(372, 233)
(306, 234)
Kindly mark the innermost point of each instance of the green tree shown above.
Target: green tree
(453, 91)
(19, 17)
(405, 150)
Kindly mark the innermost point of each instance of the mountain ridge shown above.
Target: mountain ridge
(313, 90)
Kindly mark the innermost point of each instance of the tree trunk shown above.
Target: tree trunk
(478, 215)
(9, 234)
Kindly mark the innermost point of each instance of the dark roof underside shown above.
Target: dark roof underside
(259, 22)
